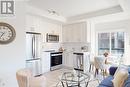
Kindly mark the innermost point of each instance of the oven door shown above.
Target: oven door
(56, 59)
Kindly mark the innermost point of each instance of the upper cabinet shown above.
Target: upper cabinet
(75, 32)
(44, 26)
(32, 24)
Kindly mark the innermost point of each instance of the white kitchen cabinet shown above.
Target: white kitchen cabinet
(68, 59)
(86, 59)
(33, 24)
(74, 32)
(40, 25)
(45, 62)
(29, 23)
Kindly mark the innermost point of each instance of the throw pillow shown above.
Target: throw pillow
(112, 70)
(120, 67)
(120, 77)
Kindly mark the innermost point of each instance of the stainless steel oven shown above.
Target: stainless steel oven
(56, 60)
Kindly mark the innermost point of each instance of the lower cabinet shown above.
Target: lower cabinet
(68, 59)
(45, 62)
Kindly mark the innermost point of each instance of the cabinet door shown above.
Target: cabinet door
(30, 23)
(64, 58)
(86, 58)
(33, 24)
(74, 32)
(66, 34)
(80, 32)
(68, 59)
(45, 62)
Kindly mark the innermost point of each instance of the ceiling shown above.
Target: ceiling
(70, 8)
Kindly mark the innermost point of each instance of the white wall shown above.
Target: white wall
(36, 23)
(12, 56)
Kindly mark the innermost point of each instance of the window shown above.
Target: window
(103, 43)
(113, 42)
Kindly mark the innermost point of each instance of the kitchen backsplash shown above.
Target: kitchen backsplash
(75, 47)
(69, 47)
(51, 46)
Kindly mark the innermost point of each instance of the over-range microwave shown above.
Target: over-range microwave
(52, 38)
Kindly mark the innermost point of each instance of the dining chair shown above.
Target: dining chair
(25, 78)
(99, 63)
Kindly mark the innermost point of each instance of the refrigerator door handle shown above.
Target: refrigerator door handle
(33, 47)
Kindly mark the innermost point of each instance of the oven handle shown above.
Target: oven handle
(56, 54)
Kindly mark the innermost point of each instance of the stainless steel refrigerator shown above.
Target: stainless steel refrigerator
(33, 52)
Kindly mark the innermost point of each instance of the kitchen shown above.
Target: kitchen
(74, 33)
(65, 41)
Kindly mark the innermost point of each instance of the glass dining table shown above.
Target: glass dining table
(75, 79)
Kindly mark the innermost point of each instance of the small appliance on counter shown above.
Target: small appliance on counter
(61, 49)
